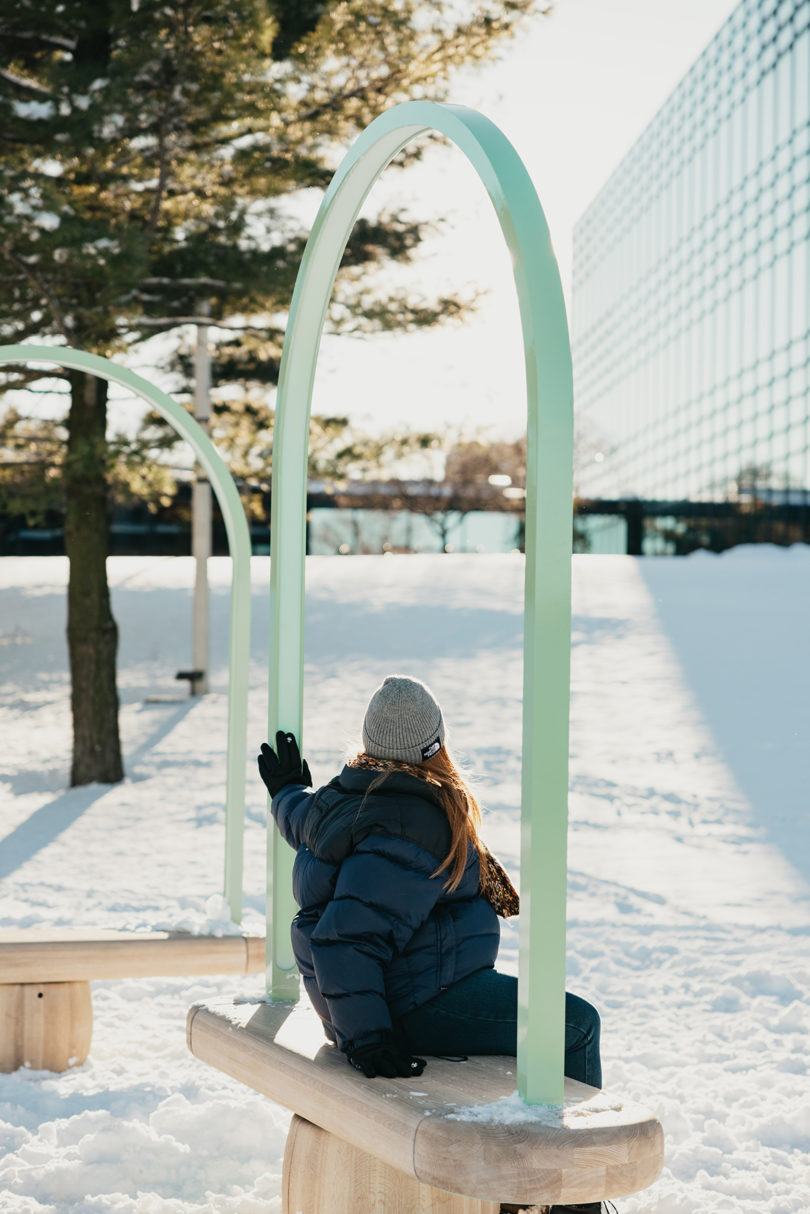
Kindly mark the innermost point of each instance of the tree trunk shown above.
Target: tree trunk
(92, 631)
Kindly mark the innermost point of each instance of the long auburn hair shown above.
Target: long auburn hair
(457, 799)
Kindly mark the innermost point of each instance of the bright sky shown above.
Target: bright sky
(572, 94)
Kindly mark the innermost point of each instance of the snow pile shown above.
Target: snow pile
(689, 886)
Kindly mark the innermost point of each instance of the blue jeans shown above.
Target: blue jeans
(478, 1015)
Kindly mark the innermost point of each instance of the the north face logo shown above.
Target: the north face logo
(429, 751)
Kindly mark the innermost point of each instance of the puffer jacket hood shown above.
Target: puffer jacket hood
(344, 812)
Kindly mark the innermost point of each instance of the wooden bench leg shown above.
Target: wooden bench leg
(322, 1174)
(45, 1025)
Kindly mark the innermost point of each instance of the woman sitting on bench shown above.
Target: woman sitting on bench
(397, 933)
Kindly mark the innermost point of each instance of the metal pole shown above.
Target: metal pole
(201, 516)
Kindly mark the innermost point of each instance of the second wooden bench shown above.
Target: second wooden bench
(46, 1008)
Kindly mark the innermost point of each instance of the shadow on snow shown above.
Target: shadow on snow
(53, 819)
(750, 683)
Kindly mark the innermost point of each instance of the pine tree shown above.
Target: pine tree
(150, 155)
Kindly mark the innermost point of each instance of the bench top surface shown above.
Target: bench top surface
(459, 1126)
(78, 954)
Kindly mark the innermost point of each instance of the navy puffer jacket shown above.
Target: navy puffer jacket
(377, 935)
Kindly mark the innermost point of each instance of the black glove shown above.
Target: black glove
(283, 766)
(385, 1058)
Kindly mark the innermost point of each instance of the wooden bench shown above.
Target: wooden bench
(454, 1140)
(46, 1010)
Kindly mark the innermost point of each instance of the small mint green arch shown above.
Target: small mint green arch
(239, 544)
(549, 508)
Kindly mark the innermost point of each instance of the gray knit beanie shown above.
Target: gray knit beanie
(403, 721)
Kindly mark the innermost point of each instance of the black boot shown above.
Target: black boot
(589, 1207)
(508, 1208)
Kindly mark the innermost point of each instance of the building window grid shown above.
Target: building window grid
(791, 239)
(707, 94)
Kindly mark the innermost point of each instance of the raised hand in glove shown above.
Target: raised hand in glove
(283, 766)
(385, 1058)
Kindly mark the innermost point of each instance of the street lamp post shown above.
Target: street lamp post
(201, 518)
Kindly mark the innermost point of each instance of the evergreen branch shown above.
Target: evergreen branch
(45, 292)
(22, 141)
(20, 82)
(364, 91)
(467, 41)
(30, 463)
(172, 322)
(41, 391)
(214, 283)
(20, 377)
(220, 140)
(38, 38)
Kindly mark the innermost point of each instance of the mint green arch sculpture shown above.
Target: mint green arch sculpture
(239, 544)
(549, 508)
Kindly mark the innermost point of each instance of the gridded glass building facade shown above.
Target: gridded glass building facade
(691, 324)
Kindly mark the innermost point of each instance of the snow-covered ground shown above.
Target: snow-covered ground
(689, 911)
